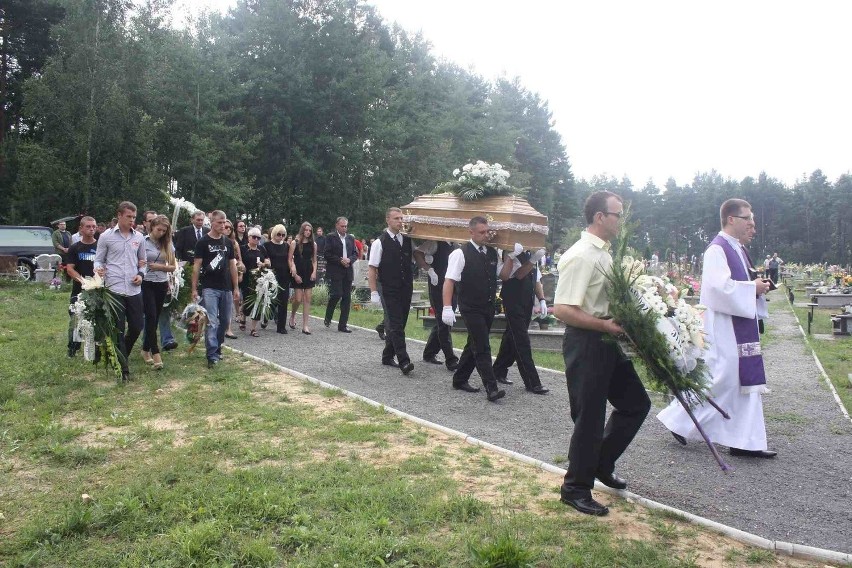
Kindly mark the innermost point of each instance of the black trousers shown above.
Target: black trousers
(440, 338)
(281, 302)
(515, 346)
(153, 296)
(339, 289)
(397, 304)
(772, 274)
(477, 350)
(129, 325)
(596, 372)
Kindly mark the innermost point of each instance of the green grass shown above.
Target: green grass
(834, 355)
(190, 467)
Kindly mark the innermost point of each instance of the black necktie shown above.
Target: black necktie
(197, 234)
(482, 249)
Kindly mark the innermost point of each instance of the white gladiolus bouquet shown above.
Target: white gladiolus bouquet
(479, 179)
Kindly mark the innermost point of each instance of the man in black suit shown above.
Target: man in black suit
(340, 254)
(186, 238)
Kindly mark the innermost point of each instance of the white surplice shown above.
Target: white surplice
(724, 298)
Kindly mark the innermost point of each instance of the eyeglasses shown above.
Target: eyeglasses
(228, 229)
(280, 235)
(255, 237)
(619, 215)
(744, 217)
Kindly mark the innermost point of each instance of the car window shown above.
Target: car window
(25, 237)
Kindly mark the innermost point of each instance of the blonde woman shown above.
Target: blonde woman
(303, 269)
(278, 250)
(155, 285)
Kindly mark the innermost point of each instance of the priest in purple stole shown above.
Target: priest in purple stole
(734, 303)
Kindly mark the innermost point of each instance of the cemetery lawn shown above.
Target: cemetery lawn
(834, 354)
(244, 466)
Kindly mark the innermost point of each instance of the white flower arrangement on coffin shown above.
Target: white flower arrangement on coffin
(477, 180)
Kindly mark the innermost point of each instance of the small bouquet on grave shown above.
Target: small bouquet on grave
(261, 300)
(55, 283)
(97, 310)
(195, 318)
(663, 331)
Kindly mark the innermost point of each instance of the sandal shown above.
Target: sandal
(254, 333)
(242, 325)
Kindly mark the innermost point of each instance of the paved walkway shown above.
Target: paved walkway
(803, 496)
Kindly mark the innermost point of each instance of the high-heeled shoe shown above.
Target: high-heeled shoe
(146, 356)
(292, 324)
(157, 361)
(306, 332)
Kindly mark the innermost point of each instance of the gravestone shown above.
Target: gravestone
(548, 284)
(360, 268)
(47, 264)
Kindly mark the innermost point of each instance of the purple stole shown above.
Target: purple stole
(752, 374)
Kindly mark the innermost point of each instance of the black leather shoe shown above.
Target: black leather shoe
(381, 332)
(586, 505)
(170, 346)
(326, 323)
(680, 439)
(453, 365)
(125, 376)
(407, 368)
(344, 330)
(753, 453)
(212, 363)
(466, 387)
(282, 330)
(496, 395)
(611, 480)
(434, 360)
(505, 381)
(390, 363)
(538, 390)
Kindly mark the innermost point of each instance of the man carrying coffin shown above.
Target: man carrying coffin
(521, 286)
(433, 257)
(474, 267)
(391, 265)
(734, 303)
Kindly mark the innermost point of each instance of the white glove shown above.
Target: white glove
(448, 316)
(428, 258)
(536, 256)
(433, 277)
(375, 299)
(518, 250)
(542, 306)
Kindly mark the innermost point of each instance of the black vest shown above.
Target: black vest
(395, 269)
(478, 285)
(441, 258)
(519, 294)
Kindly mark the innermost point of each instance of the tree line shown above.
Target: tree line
(308, 109)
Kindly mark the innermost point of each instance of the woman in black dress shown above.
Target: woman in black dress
(279, 256)
(303, 269)
(254, 257)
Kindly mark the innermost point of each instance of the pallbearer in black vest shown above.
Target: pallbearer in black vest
(391, 265)
(433, 256)
(474, 268)
(521, 286)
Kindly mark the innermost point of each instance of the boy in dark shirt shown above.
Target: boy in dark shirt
(80, 262)
(214, 265)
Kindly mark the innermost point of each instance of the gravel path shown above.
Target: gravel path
(803, 496)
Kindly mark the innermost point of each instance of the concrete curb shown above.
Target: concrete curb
(787, 548)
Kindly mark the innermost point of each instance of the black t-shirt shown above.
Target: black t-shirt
(82, 256)
(216, 256)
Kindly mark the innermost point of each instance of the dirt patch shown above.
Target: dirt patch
(296, 391)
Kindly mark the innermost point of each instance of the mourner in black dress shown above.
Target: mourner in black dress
(303, 269)
(279, 257)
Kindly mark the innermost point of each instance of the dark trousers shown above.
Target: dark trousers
(772, 274)
(281, 302)
(515, 347)
(153, 296)
(397, 304)
(339, 289)
(597, 372)
(477, 350)
(129, 325)
(440, 338)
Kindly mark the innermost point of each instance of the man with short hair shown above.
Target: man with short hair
(774, 265)
(187, 237)
(61, 240)
(121, 262)
(596, 370)
(319, 239)
(734, 297)
(216, 268)
(433, 257)
(79, 264)
(474, 267)
(340, 256)
(147, 217)
(391, 266)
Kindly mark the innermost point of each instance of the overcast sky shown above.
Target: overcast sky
(663, 89)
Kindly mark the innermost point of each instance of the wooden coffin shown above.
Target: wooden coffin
(445, 217)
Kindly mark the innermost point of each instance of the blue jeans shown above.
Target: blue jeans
(165, 324)
(218, 305)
